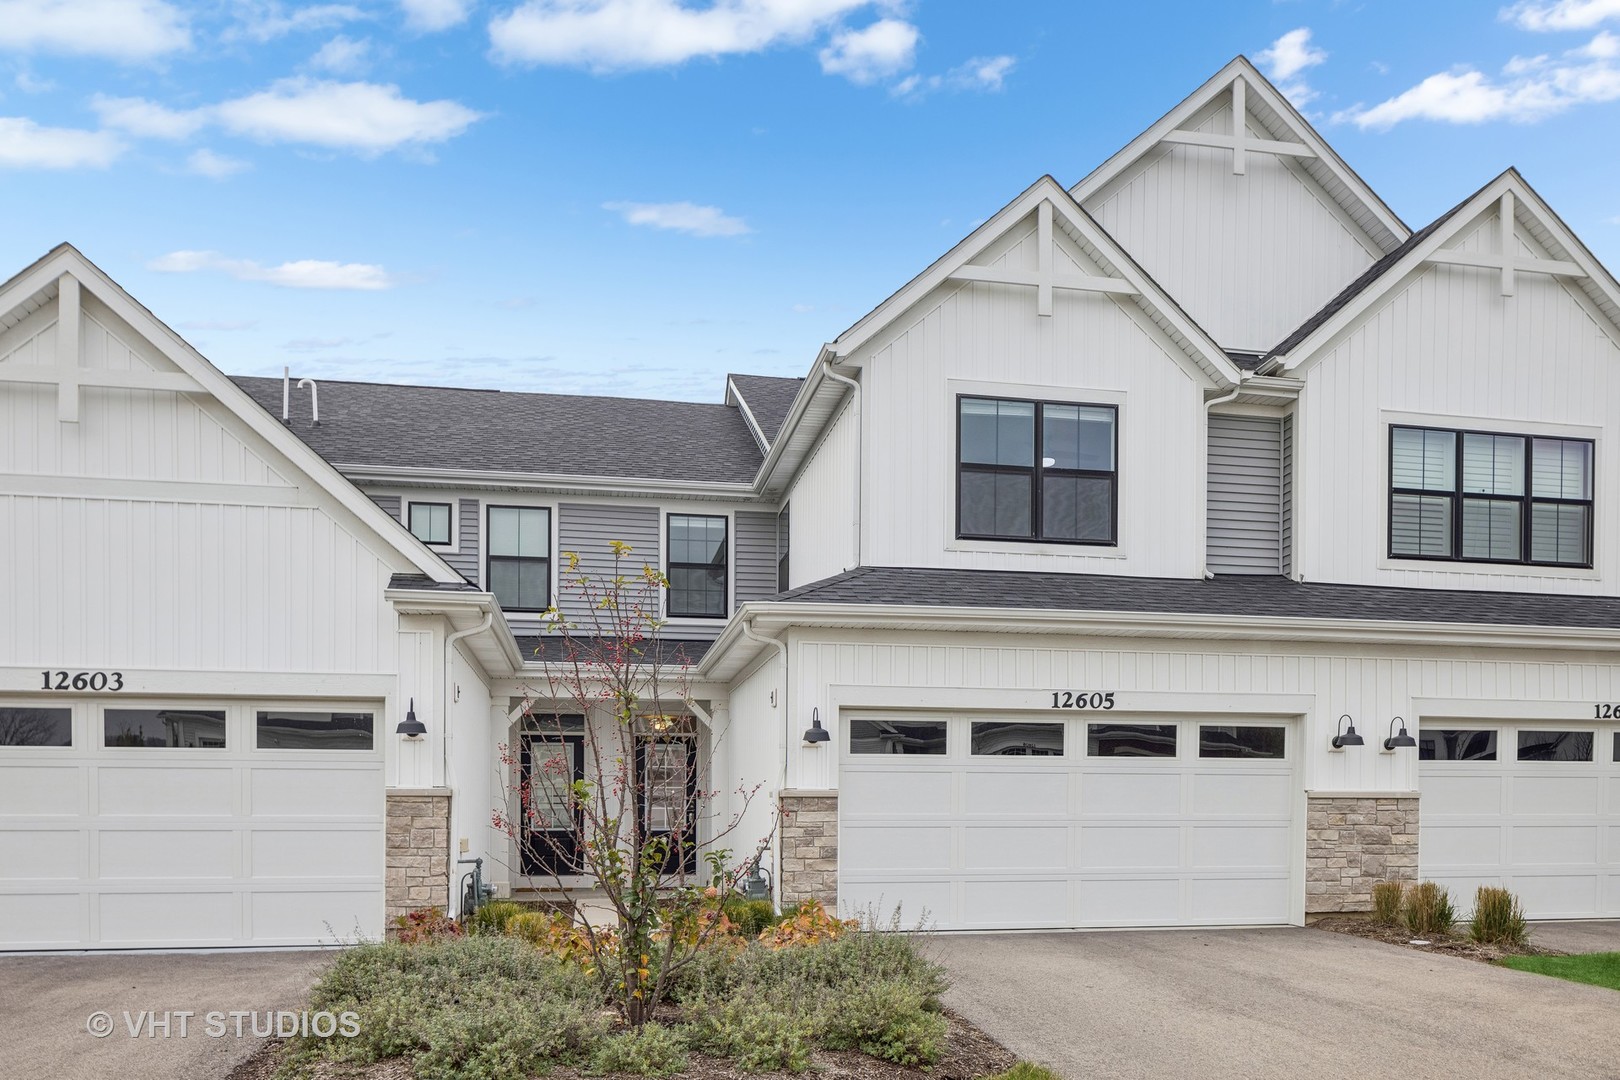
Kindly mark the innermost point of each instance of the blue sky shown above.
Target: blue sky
(637, 196)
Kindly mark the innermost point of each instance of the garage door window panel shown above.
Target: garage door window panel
(1242, 741)
(1456, 744)
(30, 725)
(921, 737)
(1131, 740)
(1563, 746)
(189, 729)
(300, 730)
(992, 738)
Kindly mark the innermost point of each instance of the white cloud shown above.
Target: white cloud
(681, 217)
(28, 83)
(887, 47)
(366, 118)
(148, 119)
(617, 34)
(343, 56)
(1287, 59)
(26, 145)
(205, 162)
(301, 274)
(266, 20)
(431, 15)
(983, 73)
(1529, 89)
(116, 29)
(1562, 15)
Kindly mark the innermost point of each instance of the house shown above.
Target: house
(1198, 544)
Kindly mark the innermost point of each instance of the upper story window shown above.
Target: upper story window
(1036, 470)
(519, 550)
(1476, 496)
(430, 522)
(697, 566)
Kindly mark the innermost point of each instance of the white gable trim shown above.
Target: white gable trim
(1306, 148)
(1525, 210)
(1055, 209)
(66, 264)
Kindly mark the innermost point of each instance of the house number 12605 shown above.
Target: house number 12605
(83, 680)
(1068, 699)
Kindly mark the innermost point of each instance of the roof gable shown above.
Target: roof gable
(765, 401)
(1116, 275)
(1537, 239)
(63, 275)
(1285, 131)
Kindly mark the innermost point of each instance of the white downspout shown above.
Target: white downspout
(1221, 399)
(860, 449)
(444, 718)
(747, 626)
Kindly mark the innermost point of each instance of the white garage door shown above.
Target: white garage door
(163, 824)
(1533, 808)
(995, 822)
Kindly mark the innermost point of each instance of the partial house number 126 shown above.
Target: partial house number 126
(1069, 699)
(83, 680)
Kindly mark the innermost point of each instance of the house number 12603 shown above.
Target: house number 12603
(83, 680)
(1068, 699)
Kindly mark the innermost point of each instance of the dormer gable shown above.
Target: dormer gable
(1240, 210)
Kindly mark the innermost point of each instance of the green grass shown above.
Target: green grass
(1597, 969)
(1026, 1070)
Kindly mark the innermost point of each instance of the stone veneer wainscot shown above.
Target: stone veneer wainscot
(1354, 841)
(418, 861)
(809, 847)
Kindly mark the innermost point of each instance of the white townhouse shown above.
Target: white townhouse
(1197, 544)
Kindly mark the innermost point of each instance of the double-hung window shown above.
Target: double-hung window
(1036, 470)
(430, 522)
(519, 556)
(1478, 496)
(698, 566)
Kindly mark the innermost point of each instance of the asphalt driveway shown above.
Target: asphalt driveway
(46, 1003)
(1283, 1003)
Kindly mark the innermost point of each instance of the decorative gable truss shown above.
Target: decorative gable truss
(1504, 230)
(1073, 253)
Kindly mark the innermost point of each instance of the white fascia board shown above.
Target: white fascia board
(464, 610)
(66, 259)
(813, 383)
(414, 476)
(1218, 84)
(774, 617)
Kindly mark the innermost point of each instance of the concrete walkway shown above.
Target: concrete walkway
(46, 1003)
(1600, 935)
(1284, 1003)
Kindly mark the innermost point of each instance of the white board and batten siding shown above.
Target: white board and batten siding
(986, 339)
(1446, 349)
(1249, 256)
(821, 505)
(1245, 514)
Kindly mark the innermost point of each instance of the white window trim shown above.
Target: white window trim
(1077, 395)
(454, 546)
(1501, 426)
(717, 621)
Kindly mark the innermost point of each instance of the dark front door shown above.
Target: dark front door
(551, 764)
(668, 768)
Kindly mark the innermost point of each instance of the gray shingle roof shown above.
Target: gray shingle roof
(769, 398)
(436, 427)
(422, 581)
(1276, 597)
(553, 649)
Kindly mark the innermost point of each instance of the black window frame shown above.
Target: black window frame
(670, 564)
(1038, 472)
(1459, 498)
(490, 557)
(449, 522)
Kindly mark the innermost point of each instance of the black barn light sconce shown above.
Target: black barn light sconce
(1398, 740)
(411, 727)
(815, 734)
(1346, 734)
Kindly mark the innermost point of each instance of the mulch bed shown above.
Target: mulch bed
(970, 1054)
(1452, 945)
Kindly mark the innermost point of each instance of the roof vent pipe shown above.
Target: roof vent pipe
(314, 399)
(286, 393)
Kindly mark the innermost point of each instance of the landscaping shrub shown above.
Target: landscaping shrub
(486, 1008)
(807, 924)
(1498, 918)
(749, 918)
(1386, 898)
(425, 924)
(555, 933)
(893, 1019)
(491, 918)
(756, 1036)
(1428, 910)
(1025, 1070)
(651, 1050)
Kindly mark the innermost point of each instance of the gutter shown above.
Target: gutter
(860, 455)
(474, 478)
(1220, 399)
